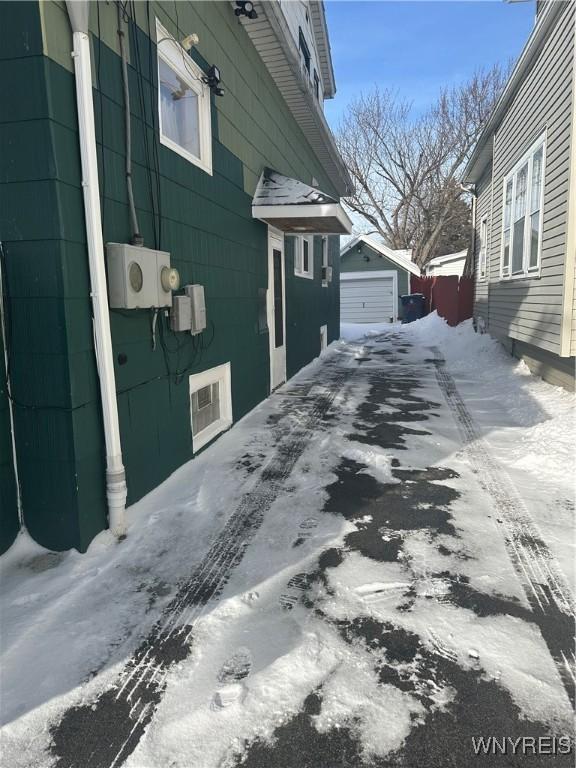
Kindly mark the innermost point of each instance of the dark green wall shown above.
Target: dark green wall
(354, 261)
(9, 523)
(203, 221)
(309, 306)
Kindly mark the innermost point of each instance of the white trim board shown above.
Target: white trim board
(221, 374)
(308, 211)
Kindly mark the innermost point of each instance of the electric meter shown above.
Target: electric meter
(170, 279)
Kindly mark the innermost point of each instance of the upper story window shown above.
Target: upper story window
(304, 256)
(522, 225)
(316, 85)
(304, 50)
(183, 103)
(483, 252)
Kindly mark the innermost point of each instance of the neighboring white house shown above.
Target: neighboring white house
(373, 277)
(450, 264)
(523, 172)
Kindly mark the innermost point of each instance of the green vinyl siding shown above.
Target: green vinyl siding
(9, 523)
(362, 258)
(204, 221)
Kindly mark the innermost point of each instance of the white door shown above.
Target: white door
(368, 298)
(276, 309)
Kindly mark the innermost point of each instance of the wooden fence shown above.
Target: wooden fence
(451, 296)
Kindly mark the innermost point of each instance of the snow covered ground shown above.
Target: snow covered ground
(371, 568)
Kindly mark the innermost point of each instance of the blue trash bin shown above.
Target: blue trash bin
(412, 307)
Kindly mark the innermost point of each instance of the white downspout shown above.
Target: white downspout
(115, 474)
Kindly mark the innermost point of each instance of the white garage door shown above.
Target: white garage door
(367, 300)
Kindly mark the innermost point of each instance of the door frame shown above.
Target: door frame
(276, 242)
(376, 273)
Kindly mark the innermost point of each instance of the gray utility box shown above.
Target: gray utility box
(181, 313)
(135, 277)
(196, 295)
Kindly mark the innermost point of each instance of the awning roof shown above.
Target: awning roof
(294, 207)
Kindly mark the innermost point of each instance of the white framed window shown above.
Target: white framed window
(523, 196)
(210, 404)
(324, 262)
(483, 251)
(304, 256)
(183, 102)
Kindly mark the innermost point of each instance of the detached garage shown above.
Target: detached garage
(372, 279)
(368, 297)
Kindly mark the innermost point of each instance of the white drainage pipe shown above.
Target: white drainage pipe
(115, 474)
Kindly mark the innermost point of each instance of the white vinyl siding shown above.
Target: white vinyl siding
(483, 248)
(527, 308)
(483, 209)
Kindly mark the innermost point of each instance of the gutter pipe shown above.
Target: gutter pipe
(115, 474)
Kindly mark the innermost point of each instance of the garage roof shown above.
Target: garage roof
(398, 257)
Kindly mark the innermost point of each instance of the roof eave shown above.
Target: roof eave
(482, 153)
(323, 42)
(286, 72)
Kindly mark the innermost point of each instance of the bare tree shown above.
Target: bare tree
(406, 169)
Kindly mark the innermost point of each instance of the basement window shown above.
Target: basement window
(210, 404)
(304, 256)
(523, 195)
(183, 103)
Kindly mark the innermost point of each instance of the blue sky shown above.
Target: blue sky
(417, 47)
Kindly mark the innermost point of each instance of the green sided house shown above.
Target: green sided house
(523, 176)
(170, 222)
(373, 277)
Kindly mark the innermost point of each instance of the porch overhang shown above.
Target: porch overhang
(297, 208)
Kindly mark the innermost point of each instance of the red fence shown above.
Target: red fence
(451, 296)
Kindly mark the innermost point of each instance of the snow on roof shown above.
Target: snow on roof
(400, 257)
(275, 189)
(448, 257)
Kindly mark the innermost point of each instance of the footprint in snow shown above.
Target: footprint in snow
(305, 530)
(296, 587)
(235, 669)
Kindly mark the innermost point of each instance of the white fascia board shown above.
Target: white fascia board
(447, 258)
(324, 211)
(368, 275)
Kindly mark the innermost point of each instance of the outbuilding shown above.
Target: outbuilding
(372, 279)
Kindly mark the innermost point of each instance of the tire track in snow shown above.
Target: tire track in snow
(105, 731)
(547, 592)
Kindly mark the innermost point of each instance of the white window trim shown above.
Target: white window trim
(528, 157)
(299, 256)
(178, 59)
(324, 258)
(219, 375)
(483, 252)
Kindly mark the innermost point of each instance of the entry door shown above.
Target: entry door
(276, 309)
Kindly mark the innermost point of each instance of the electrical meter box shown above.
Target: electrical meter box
(139, 278)
(196, 294)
